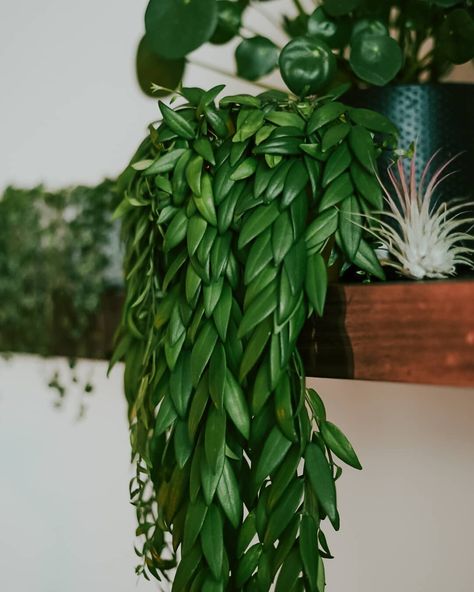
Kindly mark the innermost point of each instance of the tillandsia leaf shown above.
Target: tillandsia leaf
(423, 239)
(231, 211)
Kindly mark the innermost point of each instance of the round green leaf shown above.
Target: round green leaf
(153, 69)
(174, 28)
(334, 32)
(256, 57)
(456, 37)
(307, 65)
(376, 59)
(338, 7)
(228, 21)
(368, 27)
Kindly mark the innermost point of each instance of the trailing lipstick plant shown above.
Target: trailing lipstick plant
(230, 212)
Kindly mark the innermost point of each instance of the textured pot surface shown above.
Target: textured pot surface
(437, 116)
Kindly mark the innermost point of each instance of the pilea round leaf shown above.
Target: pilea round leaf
(229, 16)
(456, 36)
(175, 27)
(335, 33)
(256, 57)
(154, 69)
(375, 58)
(307, 65)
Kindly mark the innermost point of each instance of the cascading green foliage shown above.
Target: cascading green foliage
(230, 212)
(363, 41)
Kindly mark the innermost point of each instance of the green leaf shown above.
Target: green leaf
(334, 135)
(174, 28)
(221, 314)
(350, 226)
(295, 182)
(337, 163)
(286, 473)
(205, 200)
(274, 451)
(256, 57)
(204, 147)
(309, 550)
(246, 533)
(316, 404)
(249, 122)
(182, 444)
(154, 69)
(212, 540)
(318, 472)
(284, 511)
(284, 408)
(376, 59)
(202, 350)
(181, 385)
(245, 169)
(198, 407)
(229, 495)
(335, 32)
(247, 564)
(166, 416)
(243, 100)
(338, 190)
(260, 219)
(289, 573)
(325, 114)
(366, 259)
(286, 119)
(367, 185)
(187, 567)
(339, 444)
(236, 405)
(254, 348)
(177, 122)
(259, 257)
(194, 173)
(307, 65)
(455, 38)
(195, 515)
(214, 440)
(195, 231)
(258, 310)
(176, 231)
(212, 294)
(316, 282)
(373, 121)
(217, 374)
(164, 163)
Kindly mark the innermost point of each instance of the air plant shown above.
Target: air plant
(423, 237)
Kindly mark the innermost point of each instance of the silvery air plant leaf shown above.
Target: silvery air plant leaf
(424, 238)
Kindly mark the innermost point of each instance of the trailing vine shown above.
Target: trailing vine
(232, 213)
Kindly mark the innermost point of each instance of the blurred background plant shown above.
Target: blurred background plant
(57, 251)
(366, 42)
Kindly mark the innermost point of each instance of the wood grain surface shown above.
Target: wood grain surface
(413, 332)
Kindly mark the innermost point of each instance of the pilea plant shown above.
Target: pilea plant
(363, 41)
(230, 214)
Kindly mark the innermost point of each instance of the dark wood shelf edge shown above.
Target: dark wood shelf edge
(411, 332)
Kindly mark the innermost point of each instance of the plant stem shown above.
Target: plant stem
(299, 7)
(229, 74)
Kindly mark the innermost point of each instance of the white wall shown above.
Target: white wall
(70, 112)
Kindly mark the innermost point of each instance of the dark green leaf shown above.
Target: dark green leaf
(309, 550)
(229, 495)
(177, 122)
(376, 59)
(214, 440)
(153, 69)
(350, 226)
(339, 444)
(274, 451)
(212, 540)
(175, 28)
(236, 405)
(256, 57)
(318, 472)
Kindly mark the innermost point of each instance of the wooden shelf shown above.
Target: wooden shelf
(413, 332)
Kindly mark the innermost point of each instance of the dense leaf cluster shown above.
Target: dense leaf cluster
(362, 41)
(54, 254)
(230, 212)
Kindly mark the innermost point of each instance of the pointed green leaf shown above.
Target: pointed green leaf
(212, 540)
(274, 451)
(339, 444)
(229, 495)
(318, 471)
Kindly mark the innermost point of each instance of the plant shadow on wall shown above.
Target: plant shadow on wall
(232, 214)
(56, 250)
